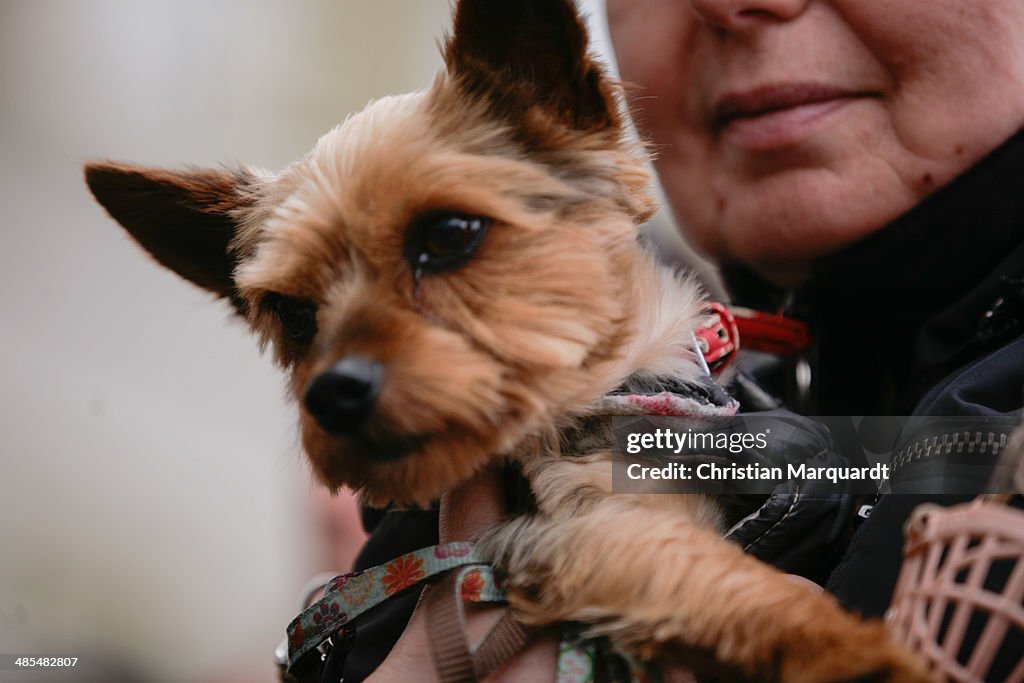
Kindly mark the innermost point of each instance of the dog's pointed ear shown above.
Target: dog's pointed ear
(185, 219)
(527, 53)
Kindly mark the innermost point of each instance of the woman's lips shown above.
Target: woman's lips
(776, 116)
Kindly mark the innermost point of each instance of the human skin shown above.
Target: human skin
(787, 129)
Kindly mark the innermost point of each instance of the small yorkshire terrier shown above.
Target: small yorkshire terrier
(453, 279)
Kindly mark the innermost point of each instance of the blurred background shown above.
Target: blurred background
(156, 516)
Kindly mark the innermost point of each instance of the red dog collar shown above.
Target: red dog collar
(719, 337)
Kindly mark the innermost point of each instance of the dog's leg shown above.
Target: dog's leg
(651, 573)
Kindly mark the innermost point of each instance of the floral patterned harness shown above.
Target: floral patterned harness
(324, 627)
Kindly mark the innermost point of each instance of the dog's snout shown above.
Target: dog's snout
(341, 397)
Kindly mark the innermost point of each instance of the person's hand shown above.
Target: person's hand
(465, 512)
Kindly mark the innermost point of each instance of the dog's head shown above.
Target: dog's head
(444, 271)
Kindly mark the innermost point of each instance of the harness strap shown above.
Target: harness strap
(347, 596)
(447, 634)
(505, 641)
(350, 595)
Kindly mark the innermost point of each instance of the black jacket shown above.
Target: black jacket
(924, 317)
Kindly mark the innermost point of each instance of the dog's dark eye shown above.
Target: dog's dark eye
(444, 241)
(297, 316)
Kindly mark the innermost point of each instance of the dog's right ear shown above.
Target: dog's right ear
(531, 53)
(185, 219)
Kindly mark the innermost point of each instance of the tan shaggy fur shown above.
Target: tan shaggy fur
(487, 362)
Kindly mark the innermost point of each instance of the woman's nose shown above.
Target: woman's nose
(737, 15)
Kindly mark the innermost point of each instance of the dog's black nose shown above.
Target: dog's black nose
(340, 398)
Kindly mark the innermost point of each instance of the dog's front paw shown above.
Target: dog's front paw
(867, 654)
(521, 550)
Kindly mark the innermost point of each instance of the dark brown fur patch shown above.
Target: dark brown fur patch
(530, 53)
(185, 219)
